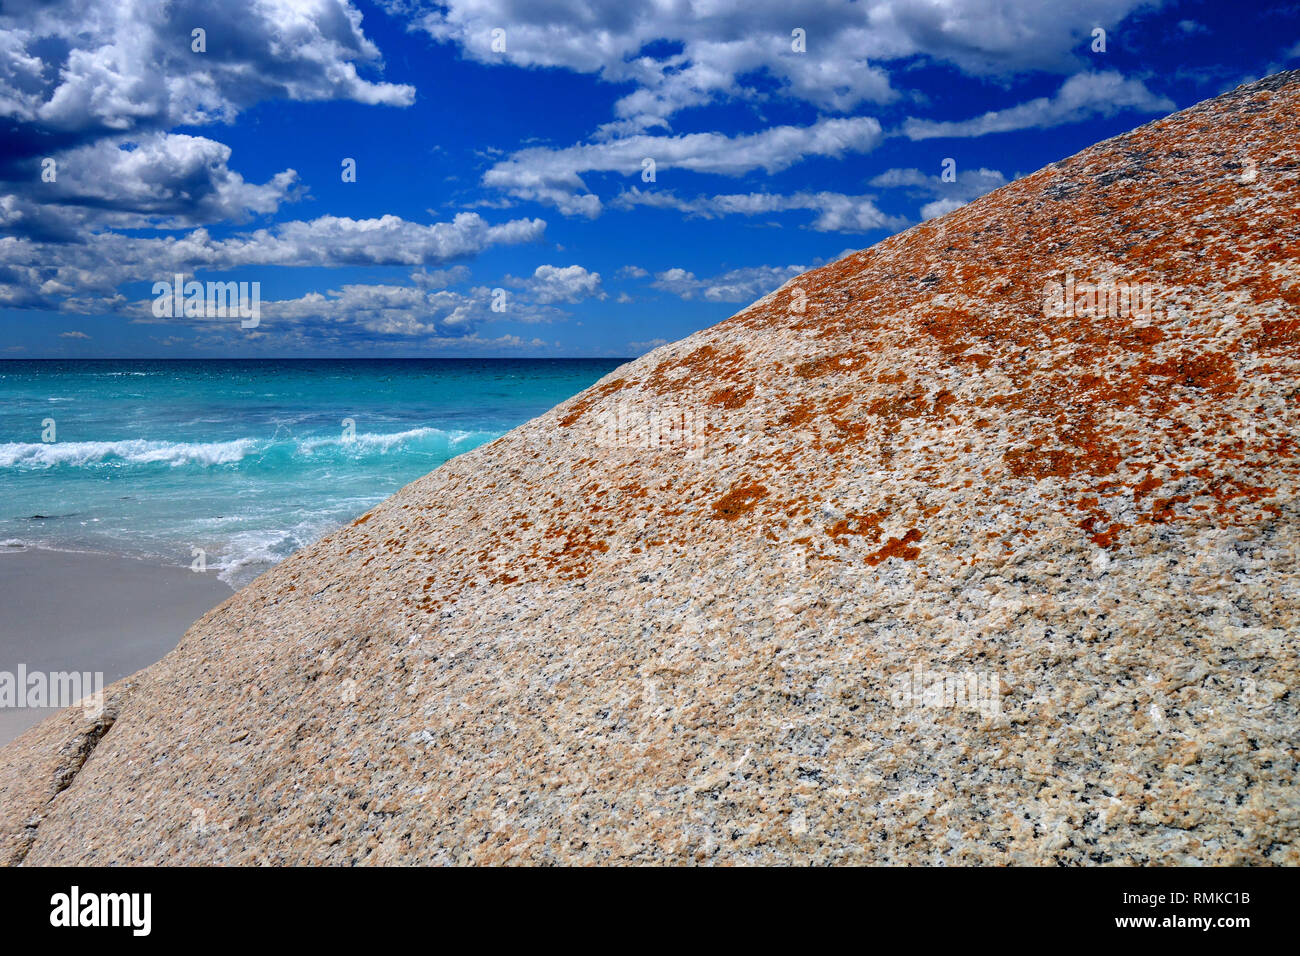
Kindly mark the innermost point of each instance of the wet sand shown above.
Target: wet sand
(65, 611)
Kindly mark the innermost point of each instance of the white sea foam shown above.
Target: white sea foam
(385, 441)
(138, 451)
(293, 488)
(247, 554)
(34, 455)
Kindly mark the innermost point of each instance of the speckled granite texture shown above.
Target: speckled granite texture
(575, 646)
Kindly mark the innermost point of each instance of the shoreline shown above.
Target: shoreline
(73, 611)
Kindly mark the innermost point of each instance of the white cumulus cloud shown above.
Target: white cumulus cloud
(1081, 97)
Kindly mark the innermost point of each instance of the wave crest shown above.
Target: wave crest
(136, 451)
(31, 456)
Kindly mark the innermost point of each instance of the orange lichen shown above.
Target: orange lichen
(861, 525)
(1144, 486)
(897, 548)
(799, 415)
(589, 398)
(740, 500)
(1212, 371)
(732, 396)
(702, 368)
(931, 357)
(842, 362)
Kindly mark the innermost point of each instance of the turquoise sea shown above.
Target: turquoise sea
(246, 461)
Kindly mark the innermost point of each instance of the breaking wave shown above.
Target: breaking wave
(32, 456)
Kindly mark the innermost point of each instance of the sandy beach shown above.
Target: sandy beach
(67, 611)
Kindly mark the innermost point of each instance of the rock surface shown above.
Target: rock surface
(704, 611)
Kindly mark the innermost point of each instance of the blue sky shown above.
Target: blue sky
(522, 169)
